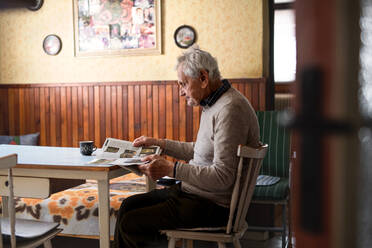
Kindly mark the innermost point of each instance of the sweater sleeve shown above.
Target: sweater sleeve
(179, 150)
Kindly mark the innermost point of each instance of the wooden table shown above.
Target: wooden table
(68, 163)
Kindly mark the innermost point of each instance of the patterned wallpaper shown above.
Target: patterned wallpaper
(230, 30)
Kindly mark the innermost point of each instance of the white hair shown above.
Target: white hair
(193, 60)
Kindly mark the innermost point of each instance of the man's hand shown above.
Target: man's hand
(158, 167)
(148, 141)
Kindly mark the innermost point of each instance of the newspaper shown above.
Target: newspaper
(123, 153)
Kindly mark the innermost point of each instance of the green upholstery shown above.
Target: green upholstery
(276, 162)
(276, 192)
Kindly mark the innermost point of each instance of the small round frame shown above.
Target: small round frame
(185, 36)
(52, 44)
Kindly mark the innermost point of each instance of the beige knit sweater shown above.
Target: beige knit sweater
(212, 161)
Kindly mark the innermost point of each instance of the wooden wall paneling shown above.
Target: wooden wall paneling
(256, 96)
(16, 116)
(4, 122)
(195, 121)
(131, 112)
(102, 115)
(85, 113)
(80, 114)
(114, 113)
(149, 101)
(155, 109)
(31, 110)
(47, 115)
(248, 92)
(241, 88)
(108, 110)
(137, 111)
(58, 115)
(36, 104)
(125, 111)
(69, 116)
(168, 112)
(75, 121)
(64, 119)
(42, 139)
(64, 114)
(27, 111)
(52, 115)
(13, 111)
(143, 110)
(119, 103)
(97, 131)
(22, 112)
(162, 113)
(175, 111)
(182, 118)
(262, 94)
(91, 114)
(189, 122)
(234, 85)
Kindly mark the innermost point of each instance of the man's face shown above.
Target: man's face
(190, 88)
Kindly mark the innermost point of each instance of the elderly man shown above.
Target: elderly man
(207, 178)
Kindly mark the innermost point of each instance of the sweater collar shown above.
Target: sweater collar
(215, 95)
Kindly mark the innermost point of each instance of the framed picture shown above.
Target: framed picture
(117, 27)
(184, 36)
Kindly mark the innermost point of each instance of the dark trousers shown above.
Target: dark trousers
(142, 216)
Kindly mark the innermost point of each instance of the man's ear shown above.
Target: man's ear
(204, 78)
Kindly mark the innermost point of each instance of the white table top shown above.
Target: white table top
(50, 156)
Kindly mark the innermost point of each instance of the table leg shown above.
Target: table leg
(104, 213)
(4, 202)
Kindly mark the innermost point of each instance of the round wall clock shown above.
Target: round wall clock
(184, 36)
(52, 44)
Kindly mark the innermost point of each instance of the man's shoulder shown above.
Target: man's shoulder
(233, 98)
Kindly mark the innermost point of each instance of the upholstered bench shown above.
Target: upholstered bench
(76, 209)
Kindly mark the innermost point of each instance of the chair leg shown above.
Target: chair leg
(221, 245)
(236, 243)
(172, 242)
(48, 244)
(289, 225)
(284, 224)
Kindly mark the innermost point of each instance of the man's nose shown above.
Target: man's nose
(182, 92)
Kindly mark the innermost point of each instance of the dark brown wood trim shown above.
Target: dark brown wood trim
(284, 87)
(283, 6)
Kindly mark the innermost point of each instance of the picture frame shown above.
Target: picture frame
(185, 36)
(52, 44)
(117, 27)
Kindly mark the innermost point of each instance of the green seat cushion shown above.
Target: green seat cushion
(277, 191)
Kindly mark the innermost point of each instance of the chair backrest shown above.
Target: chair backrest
(276, 162)
(251, 159)
(8, 162)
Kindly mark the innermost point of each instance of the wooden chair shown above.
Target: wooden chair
(22, 233)
(240, 200)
